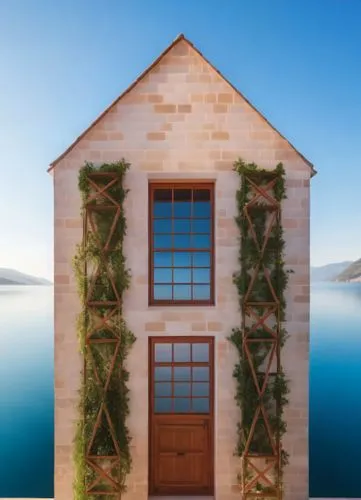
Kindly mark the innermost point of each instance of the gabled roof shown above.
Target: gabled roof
(147, 70)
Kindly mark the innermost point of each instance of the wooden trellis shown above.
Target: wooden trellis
(102, 341)
(261, 325)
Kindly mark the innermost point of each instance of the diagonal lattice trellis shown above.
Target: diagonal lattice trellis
(261, 330)
(103, 341)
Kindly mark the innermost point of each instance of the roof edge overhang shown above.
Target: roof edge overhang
(144, 73)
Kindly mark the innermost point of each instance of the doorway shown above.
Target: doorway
(181, 413)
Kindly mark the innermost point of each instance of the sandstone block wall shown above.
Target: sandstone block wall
(182, 121)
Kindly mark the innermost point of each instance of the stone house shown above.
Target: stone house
(181, 125)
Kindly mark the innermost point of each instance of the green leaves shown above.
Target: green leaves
(117, 191)
(262, 278)
(102, 276)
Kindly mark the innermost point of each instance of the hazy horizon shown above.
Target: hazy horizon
(51, 277)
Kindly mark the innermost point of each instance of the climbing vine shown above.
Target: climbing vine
(261, 385)
(102, 455)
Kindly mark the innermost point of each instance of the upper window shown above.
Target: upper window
(181, 243)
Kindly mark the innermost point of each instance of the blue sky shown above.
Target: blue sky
(62, 63)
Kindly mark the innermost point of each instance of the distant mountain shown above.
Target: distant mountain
(351, 273)
(13, 277)
(329, 272)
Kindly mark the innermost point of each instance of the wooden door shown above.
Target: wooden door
(181, 416)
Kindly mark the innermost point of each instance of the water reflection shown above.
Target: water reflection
(335, 379)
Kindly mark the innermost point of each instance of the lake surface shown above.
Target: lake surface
(335, 402)
(27, 406)
(26, 391)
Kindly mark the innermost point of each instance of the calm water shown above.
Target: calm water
(335, 402)
(26, 392)
(26, 389)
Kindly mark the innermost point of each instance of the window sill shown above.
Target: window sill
(176, 305)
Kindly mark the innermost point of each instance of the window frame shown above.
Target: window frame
(152, 186)
(153, 341)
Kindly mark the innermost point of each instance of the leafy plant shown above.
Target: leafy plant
(105, 340)
(261, 283)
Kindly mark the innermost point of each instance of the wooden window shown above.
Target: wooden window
(181, 243)
(182, 376)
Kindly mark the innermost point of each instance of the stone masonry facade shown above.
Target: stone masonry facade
(182, 120)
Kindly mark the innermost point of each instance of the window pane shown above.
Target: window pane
(182, 195)
(162, 195)
(201, 195)
(182, 276)
(182, 221)
(182, 373)
(200, 389)
(162, 209)
(201, 276)
(182, 241)
(162, 405)
(200, 352)
(182, 226)
(162, 275)
(182, 292)
(163, 389)
(163, 292)
(162, 373)
(201, 241)
(182, 209)
(182, 352)
(162, 226)
(163, 353)
(182, 259)
(162, 259)
(201, 226)
(201, 292)
(201, 209)
(201, 259)
(162, 241)
(182, 405)
(200, 373)
(200, 405)
(182, 389)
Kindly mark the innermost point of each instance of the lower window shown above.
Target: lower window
(182, 376)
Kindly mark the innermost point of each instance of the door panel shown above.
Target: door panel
(181, 415)
(182, 449)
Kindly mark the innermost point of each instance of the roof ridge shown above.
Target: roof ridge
(179, 38)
